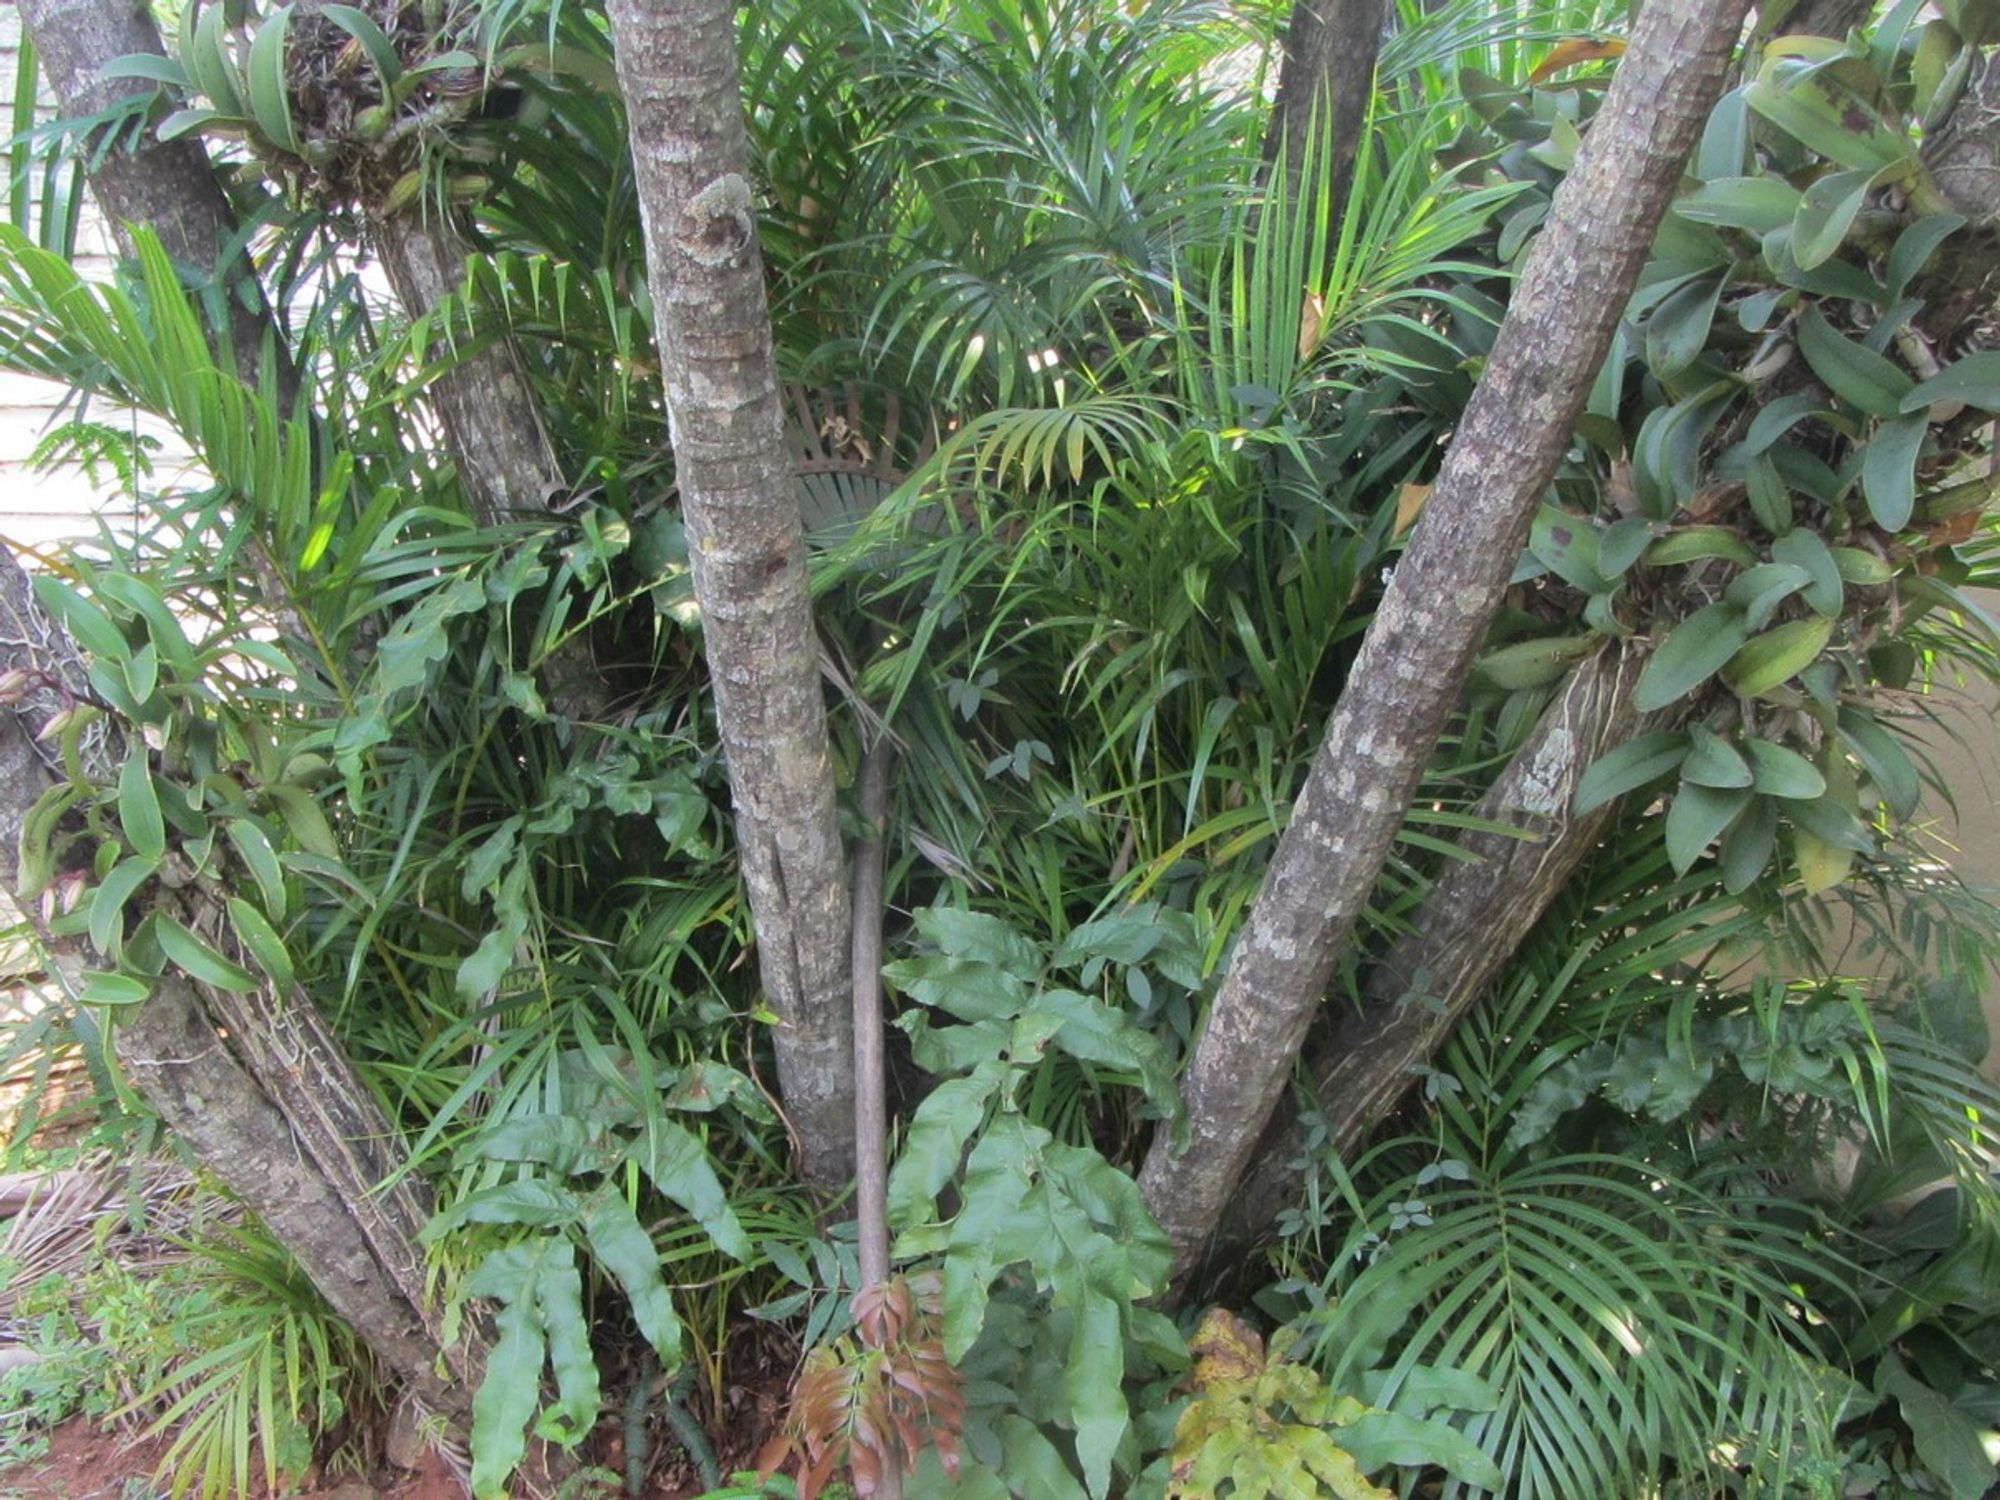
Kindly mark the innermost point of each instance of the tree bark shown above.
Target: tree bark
(1438, 605)
(1964, 157)
(1474, 917)
(1329, 71)
(678, 68)
(492, 425)
(166, 186)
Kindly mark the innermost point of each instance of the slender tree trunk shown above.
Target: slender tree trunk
(678, 68)
(492, 425)
(1438, 605)
(1472, 920)
(167, 186)
(1329, 72)
(269, 1102)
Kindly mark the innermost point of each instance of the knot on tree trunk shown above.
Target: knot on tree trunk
(717, 225)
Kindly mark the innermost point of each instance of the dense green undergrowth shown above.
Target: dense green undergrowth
(1115, 443)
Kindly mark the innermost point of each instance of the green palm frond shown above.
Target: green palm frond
(1625, 1326)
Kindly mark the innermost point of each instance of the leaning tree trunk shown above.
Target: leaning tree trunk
(257, 1085)
(167, 186)
(678, 68)
(1438, 606)
(1471, 922)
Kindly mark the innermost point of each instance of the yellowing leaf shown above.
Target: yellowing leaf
(1312, 322)
(1410, 502)
(1578, 49)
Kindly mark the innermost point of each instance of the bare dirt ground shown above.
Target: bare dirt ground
(87, 1463)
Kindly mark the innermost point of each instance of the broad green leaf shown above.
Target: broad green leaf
(481, 971)
(1949, 1441)
(304, 820)
(1888, 764)
(198, 960)
(563, 1142)
(559, 1300)
(1032, 1462)
(1712, 761)
(1822, 866)
(1696, 819)
(935, 1142)
(1820, 115)
(363, 28)
(1748, 846)
(1634, 764)
(1777, 656)
(1095, 1379)
(1760, 590)
(623, 1248)
(100, 988)
(533, 1201)
(169, 639)
(1858, 565)
(270, 98)
(1378, 1439)
(1853, 372)
(90, 627)
(1688, 544)
(1567, 544)
(979, 938)
(1535, 663)
(1678, 329)
(1830, 821)
(1973, 379)
(1804, 548)
(255, 932)
(139, 807)
(1694, 652)
(1756, 204)
(1782, 772)
(258, 857)
(509, 1394)
(676, 1162)
(1889, 470)
(1770, 497)
(1621, 545)
(108, 901)
(1916, 245)
(1826, 213)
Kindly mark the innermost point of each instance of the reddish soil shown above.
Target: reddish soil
(88, 1463)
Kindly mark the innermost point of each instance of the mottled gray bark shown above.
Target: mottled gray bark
(1439, 603)
(257, 1085)
(308, 1161)
(1964, 157)
(492, 425)
(166, 186)
(678, 68)
(1472, 920)
(1328, 71)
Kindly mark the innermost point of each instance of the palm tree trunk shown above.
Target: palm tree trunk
(1325, 82)
(1474, 917)
(678, 67)
(1438, 606)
